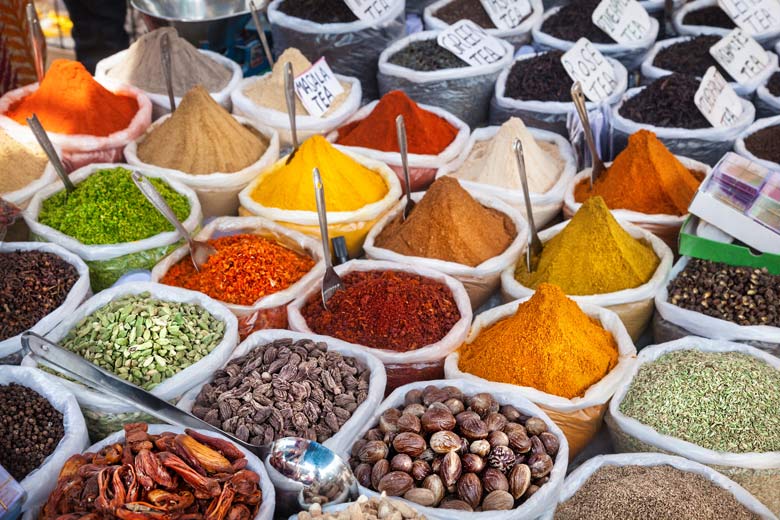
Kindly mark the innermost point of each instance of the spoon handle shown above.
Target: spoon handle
(289, 95)
(260, 31)
(403, 145)
(579, 102)
(157, 200)
(36, 40)
(43, 140)
(165, 49)
(319, 191)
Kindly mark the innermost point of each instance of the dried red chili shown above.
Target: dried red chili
(244, 269)
(390, 310)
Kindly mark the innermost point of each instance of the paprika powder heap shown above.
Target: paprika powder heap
(645, 177)
(426, 132)
(70, 101)
(549, 344)
(391, 310)
(244, 269)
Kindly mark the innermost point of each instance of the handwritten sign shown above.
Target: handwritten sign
(717, 101)
(369, 10)
(741, 56)
(753, 16)
(626, 21)
(584, 63)
(507, 14)
(317, 87)
(469, 42)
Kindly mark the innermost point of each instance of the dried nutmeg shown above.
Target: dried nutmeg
(498, 501)
(453, 392)
(455, 504)
(378, 472)
(450, 469)
(519, 480)
(535, 426)
(420, 470)
(518, 438)
(375, 434)
(437, 419)
(551, 443)
(409, 443)
(436, 464)
(428, 455)
(501, 458)
(363, 474)
(470, 489)
(483, 403)
(472, 463)
(445, 441)
(409, 423)
(455, 405)
(421, 496)
(416, 409)
(413, 397)
(395, 483)
(530, 491)
(498, 439)
(388, 421)
(401, 462)
(540, 465)
(357, 447)
(436, 486)
(473, 428)
(495, 422)
(482, 447)
(512, 414)
(493, 479)
(373, 451)
(432, 394)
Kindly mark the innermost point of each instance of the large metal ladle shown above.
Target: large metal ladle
(578, 97)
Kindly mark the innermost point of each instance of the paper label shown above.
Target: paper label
(584, 63)
(717, 100)
(317, 87)
(469, 42)
(507, 14)
(626, 21)
(369, 10)
(741, 56)
(753, 16)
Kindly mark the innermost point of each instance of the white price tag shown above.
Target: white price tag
(741, 56)
(507, 14)
(717, 100)
(626, 21)
(584, 63)
(317, 87)
(753, 16)
(469, 42)
(369, 10)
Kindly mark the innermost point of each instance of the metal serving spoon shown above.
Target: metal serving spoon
(165, 52)
(303, 472)
(37, 39)
(579, 102)
(260, 31)
(534, 250)
(400, 128)
(331, 282)
(199, 251)
(289, 95)
(43, 140)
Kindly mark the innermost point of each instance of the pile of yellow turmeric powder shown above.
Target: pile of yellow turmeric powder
(549, 344)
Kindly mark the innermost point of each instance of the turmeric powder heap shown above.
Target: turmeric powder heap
(549, 344)
(645, 177)
(593, 254)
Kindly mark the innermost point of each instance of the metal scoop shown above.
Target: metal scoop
(199, 251)
(289, 96)
(400, 128)
(260, 31)
(37, 39)
(579, 102)
(303, 472)
(43, 140)
(534, 250)
(331, 282)
(165, 52)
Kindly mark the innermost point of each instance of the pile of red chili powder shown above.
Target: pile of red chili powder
(426, 132)
(390, 310)
(244, 269)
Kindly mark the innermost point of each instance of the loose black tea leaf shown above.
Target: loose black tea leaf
(426, 55)
(666, 102)
(711, 16)
(319, 11)
(573, 22)
(690, 57)
(541, 78)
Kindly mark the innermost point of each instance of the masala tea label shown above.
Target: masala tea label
(586, 64)
(471, 43)
(317, 87)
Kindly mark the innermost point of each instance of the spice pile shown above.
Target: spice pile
(19, 164)
(722, 401)
(348, 184)
(167, 476)
(200, 138)
(645, 177)
(244, 269)
(539, 78)
(319, 11)
(765, 143)
(742, 295)
(107, 208)
(33, 284)
(539, 344)
(492, 161)
(365, 509)
(269, 91)
(142, 65)
(70, 101)
(284, 388)
(466, 10)
(709, 16)
(145, 340)
(667, 102)
(30, 429)
(449, 224)
(573, 21)
(593, 254)
(691, 56)
(658, 492)
(390, 310)
(426, 55)
(426, 132)
(451, 451)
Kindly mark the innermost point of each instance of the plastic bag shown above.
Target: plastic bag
(650, 72)
(547, 115)
(376, 385)
(545, 206)
(707, 145)
(537, 504)
(107, 413)
(580, 418)
(401, 367)
(767, 38)
(10, 348)
(517, 36)
(633, 306)
(306, 125)
(218, 191)
(107, 262)
(351, 48)
(40, 482)
(352, 225)
(666, 227)
(81, 150)
(480, 281)
(629, 55)
(741, 149)
(160, 103)
(422, 168)
(578, 477)
(464, 92)
(759, 473)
